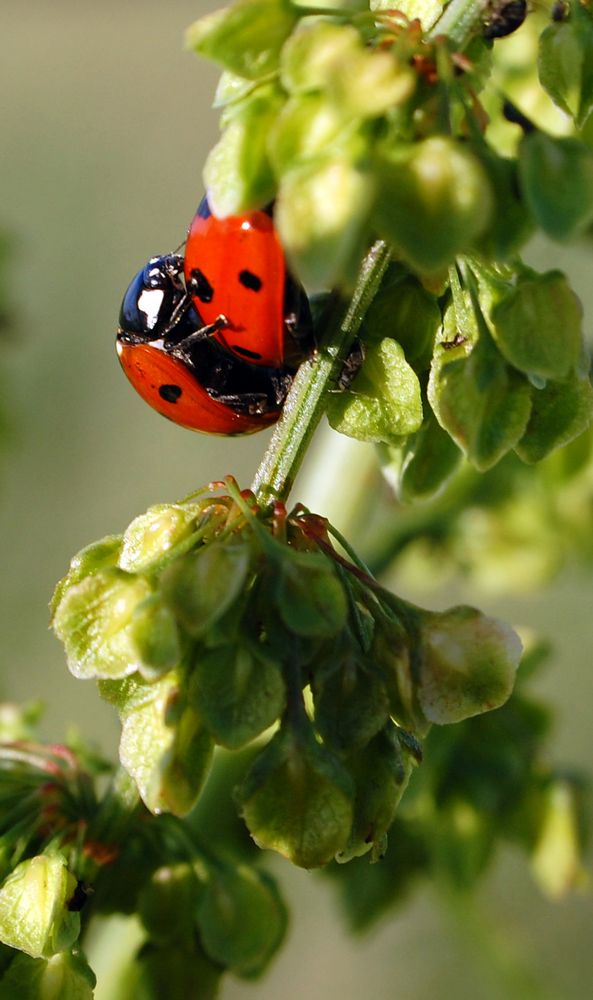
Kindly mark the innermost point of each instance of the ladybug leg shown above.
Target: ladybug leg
(352, 366)
(203, 333)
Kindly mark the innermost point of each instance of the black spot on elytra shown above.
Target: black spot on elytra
(200, 286)
(245, 352)
(170, 393)
(250, 280)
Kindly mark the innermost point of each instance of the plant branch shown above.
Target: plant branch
(460, 21)
(306, 401)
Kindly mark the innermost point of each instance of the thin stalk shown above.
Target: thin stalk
(461, 20)
(307, 399)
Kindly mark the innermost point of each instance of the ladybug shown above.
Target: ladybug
(176, 365)
(235, 267)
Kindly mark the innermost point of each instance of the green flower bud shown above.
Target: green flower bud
(351, 706)
(371, 82)
(482, 403)
(510, 224)
(314, 52)
(406, 312)
(557, 182)
(238, 172)
(565, 66)
(381, 772)
(558, 855)
(152, 535)
(65, 976)
(309, 127)
(309, 595)
(34, 915)
(166, 904)
(238, 693)
(396, 656)
(322, 216)
(421, 467)
(434, 200)
(560, 412)
(175, 972)
(95, 621)
(385, 401)
(154, 634)
(468, 664)
(242, 919)
(538, 326)
(246, 37)
(297, 799)
(164, 745)
(201, 586)
(90, 560)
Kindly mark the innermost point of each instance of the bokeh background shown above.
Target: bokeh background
(105, 126)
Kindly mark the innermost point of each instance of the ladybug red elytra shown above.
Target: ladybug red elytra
(235, 267)
(177, 367)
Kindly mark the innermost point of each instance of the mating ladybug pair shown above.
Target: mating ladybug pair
(212, 339)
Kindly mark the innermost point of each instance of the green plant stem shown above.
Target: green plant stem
(460, 21)
(306, 401)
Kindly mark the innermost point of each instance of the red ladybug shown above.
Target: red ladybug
(235, 268)
(177, 367)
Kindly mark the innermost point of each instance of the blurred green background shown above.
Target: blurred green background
(105, 126)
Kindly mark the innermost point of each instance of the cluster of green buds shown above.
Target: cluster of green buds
(485, 782)
(213, 621)
(362, 124)
(69, 851)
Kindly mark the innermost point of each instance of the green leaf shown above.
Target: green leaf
(565, 65)
(351, 706)
(34, 915)
(468, 664)
(560, 412)
(322, 216)
(538, 326)
(238, 693)
(384, 402)
(95, 621)
(242, 919)
(245, 38)
(422, 467)
(434, 200)
(152, 535)
(557, 181)
(309, 595)
(297, 799)
(90, 560)
(65, 976)
(238, 173)
(164, 746)
(201, 586)
(482, 403)
(381, 772)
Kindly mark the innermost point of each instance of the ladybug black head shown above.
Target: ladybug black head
(153, 305)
